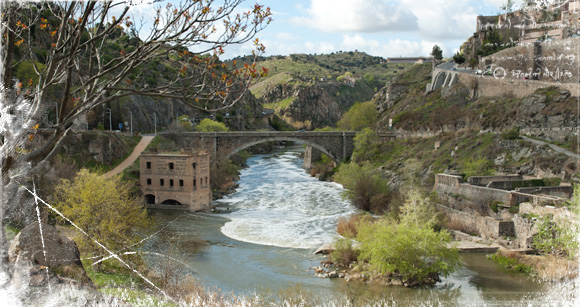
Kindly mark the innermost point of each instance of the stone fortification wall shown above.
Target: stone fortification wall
(485, 180)
(558, 191)
(554, 61)
(477, 199)
(489, 86)
(466, 197)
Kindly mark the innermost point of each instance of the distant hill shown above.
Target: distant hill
(312, 91)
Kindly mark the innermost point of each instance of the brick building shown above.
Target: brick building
(180, 178)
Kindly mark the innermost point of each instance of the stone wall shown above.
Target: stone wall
(477, 199)
(484, 226)
(558, 191)
(548, 61)
(485, 180)
(511, 185)
(488, 86)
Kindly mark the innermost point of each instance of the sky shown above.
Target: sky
(386, 28)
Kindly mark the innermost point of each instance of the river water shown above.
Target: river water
(264, 238)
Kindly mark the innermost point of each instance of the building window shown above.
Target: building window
(148, 181)
(161, 182)
(148, 165)
(170, 182)
(180, 183)
(170, 165)
(194, 165)
(194, 182)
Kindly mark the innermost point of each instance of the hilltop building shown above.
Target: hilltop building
(180, 178)
(414, 60)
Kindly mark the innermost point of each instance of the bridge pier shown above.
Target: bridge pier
(311, 155)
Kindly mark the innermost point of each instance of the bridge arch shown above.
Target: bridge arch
(439, 79)
(150, 199)
(173, 202)
(278, 139)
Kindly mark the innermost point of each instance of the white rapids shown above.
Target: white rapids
(278, 203)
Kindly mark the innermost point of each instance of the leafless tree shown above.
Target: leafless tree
(78, 73)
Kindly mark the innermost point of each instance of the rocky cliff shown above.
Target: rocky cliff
(405, 102)
(310, 104)
(146, 111)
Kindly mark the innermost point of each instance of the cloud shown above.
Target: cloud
(357, 16)
(391, 48)
(286, 36)
(443, 19)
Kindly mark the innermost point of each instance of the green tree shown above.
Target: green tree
(208, 125)
(359, 116)
(107, 209)
(458, 58)
(366, 187)
(410, 250)
(366, 146)
(437, 53)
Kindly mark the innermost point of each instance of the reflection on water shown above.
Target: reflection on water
(278, 205)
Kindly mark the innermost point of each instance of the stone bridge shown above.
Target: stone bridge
(442, 78)
(338, 145)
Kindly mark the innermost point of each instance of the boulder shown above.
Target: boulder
(58, 253)
(28, 245)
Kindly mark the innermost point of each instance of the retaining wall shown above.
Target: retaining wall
(485, 180)
(488, 86)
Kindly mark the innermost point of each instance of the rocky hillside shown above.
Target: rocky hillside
(404, 100)
(312, 91)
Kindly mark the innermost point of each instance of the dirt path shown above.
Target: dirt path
(554, 147)
(145, 140)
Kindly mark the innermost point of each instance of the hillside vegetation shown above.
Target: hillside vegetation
(313, 91)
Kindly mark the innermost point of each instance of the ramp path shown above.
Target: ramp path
(145, 140)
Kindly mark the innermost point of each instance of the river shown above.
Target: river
(264, 238)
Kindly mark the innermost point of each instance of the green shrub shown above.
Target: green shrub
(208, 125)
(478, 167)
(552, 181)
(512, 134)
(367, 189)
(343, 253)
(493, 206)
(510, 263)
(556, 238)
(411, 249)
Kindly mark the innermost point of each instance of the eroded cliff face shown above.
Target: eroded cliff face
(312, 107)
(310, 104)
(148, 112)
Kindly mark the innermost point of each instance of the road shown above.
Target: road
(145, 140)
(554, 147)
(452, 65)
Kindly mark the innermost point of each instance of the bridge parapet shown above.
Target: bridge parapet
(338, 145)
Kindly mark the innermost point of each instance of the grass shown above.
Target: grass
(545, 268)
(137, 297)
(280, 105)
(510, 260)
